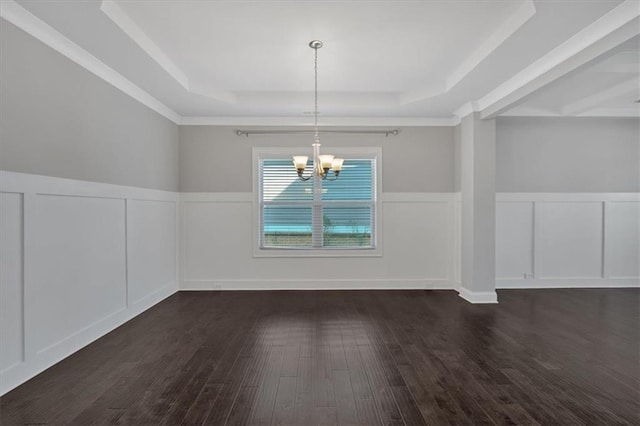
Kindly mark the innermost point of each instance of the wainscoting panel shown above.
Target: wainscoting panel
(514, 239)
(151, 247)
(218, 253)
(11, 249)
(80, 276)
(417, 239)
(622, 241)
(78, 259)
(567, 240)
(216, 236)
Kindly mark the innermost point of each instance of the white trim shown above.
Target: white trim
(466, 109)
(130, 28)
(374, 153)
(425, 92)
(133, 30)
(478, 297)
(35, 358)
(309, 284)
(386, 197)
(632, 111)
(505, 30)
(26, 21)
(417, 197)
(615, 27)
(20, 373)
(530, 111)
(513, 283)
(534, 278)
(39, 184)
(588, 103)
(325, 121)
(620, 112)
(596, 197)
(216, 197)
(205, 89)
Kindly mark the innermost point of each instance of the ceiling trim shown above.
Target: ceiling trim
(135, 33)
(499, 36)
(325, 121)
(612, 29)
(131, 29)
(612, 112)
(590, 102)
(466, 109)
(40, 30)
(505, 30)
(34, 26)
(630, 112)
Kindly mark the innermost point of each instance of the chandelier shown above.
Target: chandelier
(322, 164)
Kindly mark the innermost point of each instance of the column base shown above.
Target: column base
(478, 297)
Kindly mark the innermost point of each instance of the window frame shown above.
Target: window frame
(373, 153)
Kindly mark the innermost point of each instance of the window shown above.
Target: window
(317, 215)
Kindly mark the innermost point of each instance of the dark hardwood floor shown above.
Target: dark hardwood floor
(544, 357)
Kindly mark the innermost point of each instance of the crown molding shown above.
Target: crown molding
(584, 105)
(612, 29)
(629, 112)
(130, 28)
(466, 109)
(326, 121)
(135, 33)
(34, 26)
(617, 26)
(505, 30)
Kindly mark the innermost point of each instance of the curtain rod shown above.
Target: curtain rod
(246, 133)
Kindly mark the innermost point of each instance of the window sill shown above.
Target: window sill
(337, 252)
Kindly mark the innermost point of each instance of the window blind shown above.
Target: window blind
(317, 213)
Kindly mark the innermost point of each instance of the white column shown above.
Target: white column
(477, 166)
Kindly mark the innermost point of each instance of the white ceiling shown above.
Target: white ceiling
(608, 86)
(389, 61)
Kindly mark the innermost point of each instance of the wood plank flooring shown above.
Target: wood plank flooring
(549, 357)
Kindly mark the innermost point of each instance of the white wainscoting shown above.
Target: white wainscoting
(77, 259)
(546, 240)
(217, 248)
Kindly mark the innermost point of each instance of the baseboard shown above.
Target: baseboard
(306, 284)
(478, 297)
(45, 358)
(568, 283)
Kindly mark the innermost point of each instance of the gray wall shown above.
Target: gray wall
(58, 119)
(567, 154)
(214, 159)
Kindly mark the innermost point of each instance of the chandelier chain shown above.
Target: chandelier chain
(316, 93)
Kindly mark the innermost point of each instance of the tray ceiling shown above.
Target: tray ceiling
(416, 61)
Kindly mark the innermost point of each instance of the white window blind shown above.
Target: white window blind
(317, 214)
